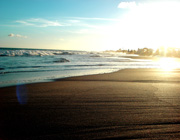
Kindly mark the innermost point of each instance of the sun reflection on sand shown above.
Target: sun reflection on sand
(168, 64)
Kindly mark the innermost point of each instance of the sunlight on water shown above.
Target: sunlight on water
(168, 64)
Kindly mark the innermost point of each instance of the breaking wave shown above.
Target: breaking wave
(5, 53)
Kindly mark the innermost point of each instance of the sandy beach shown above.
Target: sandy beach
(128, 104)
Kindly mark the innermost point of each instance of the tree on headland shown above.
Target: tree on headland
(145, 51)
(161, 51)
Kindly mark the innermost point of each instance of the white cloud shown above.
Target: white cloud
(38, 22)
(127, 5)
(21, 36)
(68, 21)
(17, 35)
(11, 35)
(100, 19)
(24, 22)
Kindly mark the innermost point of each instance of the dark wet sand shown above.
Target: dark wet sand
(128, 104)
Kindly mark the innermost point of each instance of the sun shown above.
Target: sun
(168, 64)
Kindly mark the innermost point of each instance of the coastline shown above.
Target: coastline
(33, 66)
(47, 80)
(127, 104)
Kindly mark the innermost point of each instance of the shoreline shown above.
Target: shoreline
(69, 77)
(11, 79)
(56, 79)
(127, 104)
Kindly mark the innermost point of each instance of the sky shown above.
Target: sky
(92, 25)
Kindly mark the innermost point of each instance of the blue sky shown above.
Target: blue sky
(88, 24)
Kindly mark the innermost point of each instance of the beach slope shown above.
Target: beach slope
(128, 104)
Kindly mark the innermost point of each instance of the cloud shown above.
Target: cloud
(100, 19)
(17, 35)
(11, 35)
(86, 22)
(127, 5)
(38, 22)
(66, 21)
(24, 22)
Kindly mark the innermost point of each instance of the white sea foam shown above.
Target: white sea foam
(33, 53)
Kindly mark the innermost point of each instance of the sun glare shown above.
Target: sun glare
(168, 64)
(144, 27)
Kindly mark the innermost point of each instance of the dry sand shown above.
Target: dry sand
(128, 104)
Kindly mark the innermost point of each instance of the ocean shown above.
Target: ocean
(22, 66)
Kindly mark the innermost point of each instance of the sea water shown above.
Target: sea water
(21, 66)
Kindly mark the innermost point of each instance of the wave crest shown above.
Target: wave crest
(27, 53)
